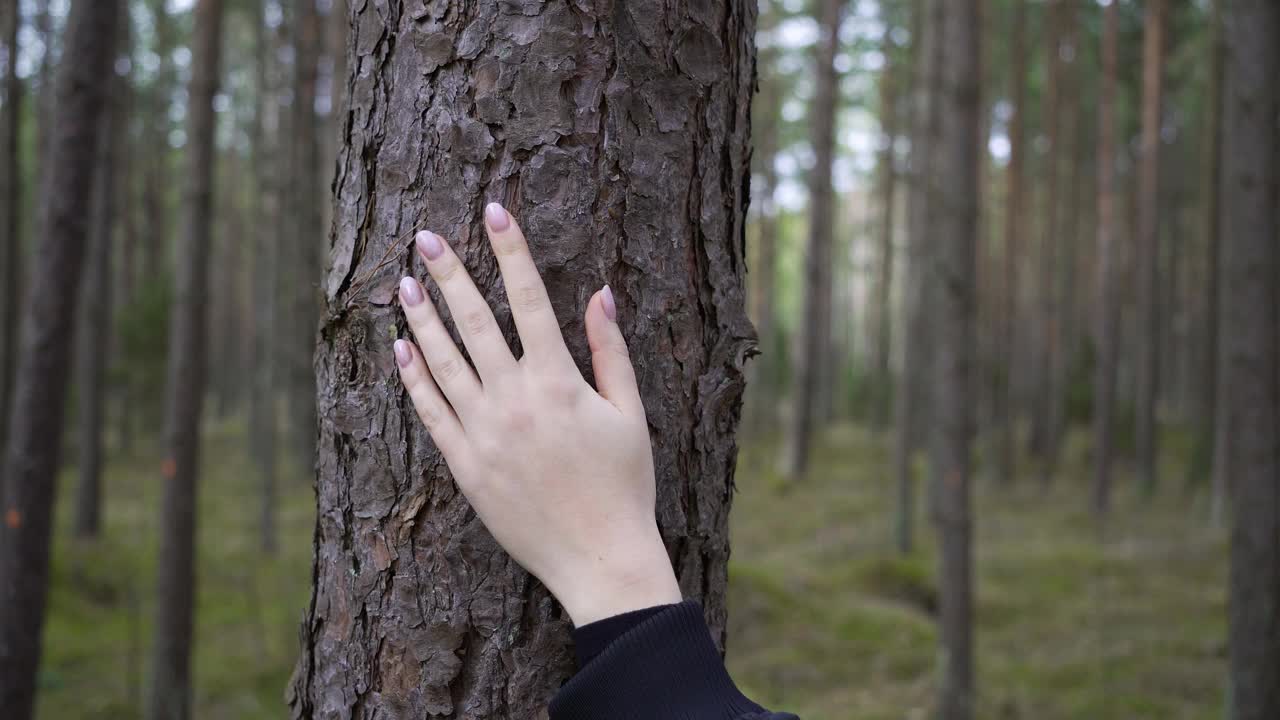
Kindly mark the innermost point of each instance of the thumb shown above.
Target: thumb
(615, 378)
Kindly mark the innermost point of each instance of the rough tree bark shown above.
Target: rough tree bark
(35, 422)
(1251, 225)
(953, 331)
(888, 190)
(1148, 245)
(814, 348)
(618, 134)
(1014, 226)
(184, 393)
(10, 215)
(96, 303)
(1108, 324)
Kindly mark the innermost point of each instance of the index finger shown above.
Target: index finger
(530, 307)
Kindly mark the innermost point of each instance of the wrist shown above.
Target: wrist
(634, 576)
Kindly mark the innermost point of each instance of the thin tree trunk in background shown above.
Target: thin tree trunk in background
(1148, 255)
(127, 282)
(888, 186)
(1251, 255)
(228, 374)
(155, 240)
(1047, 334)
(1210, 391)
(35, 424)
(184, 393)
(264, 209)
(952, 315)
(763, 372)
(815, 323)
(924, 118)
(10, 217)
(1061, 239)
(307, 238)
(96, 303)
(438, 621)
(1014, 226)
(45, 98)
(1108, 324)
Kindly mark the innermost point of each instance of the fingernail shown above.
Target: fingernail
(606, 299)
(404, 355)
(430, 245)
(497, 217)
(410, 291)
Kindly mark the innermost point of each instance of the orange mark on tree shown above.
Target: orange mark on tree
(13, 519)
(168, 468)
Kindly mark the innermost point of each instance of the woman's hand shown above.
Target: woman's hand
(561, 474)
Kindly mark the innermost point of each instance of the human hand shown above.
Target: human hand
(560, 473)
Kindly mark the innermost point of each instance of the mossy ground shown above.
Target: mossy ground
(827, 620)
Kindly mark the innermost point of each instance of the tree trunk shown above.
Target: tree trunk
(10, 217)
(1148, 255)
(763, 376)
(1210, 375)
(1250, 159)
(155, 253)
(306, 241)
(1014, 226)
(265, 211)
(618, 134)
(35, 421)
(907, 397)
(953, 332)
(888, 187)
(814, 347)
(1046, 325)
(96, 303)
(1108, 325)
(184, 394)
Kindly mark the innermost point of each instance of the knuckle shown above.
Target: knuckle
(508, 247)
(476, 322)
(528, 299)
(618, 347)
(449, 369)
(446, 271)
(560, 389)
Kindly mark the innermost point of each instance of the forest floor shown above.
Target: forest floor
(826, 620)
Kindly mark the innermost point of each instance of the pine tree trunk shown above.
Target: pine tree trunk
(1251, 226)
(10, 217)
(764, 371)
(1014, 226)
(35, 421)
(1210, 369)
(265, 211)
(1108, 324)
(1046, 324)
(96, 303)
(814, 348)
(619, 136)
(952, 315)
(1148, 255)
(307, 239)
(156, 241)
(906, 397)
(184, 394)
(888, 190)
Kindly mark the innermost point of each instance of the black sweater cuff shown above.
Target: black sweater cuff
(666, 667)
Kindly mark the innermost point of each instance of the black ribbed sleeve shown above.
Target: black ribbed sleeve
(665, 668)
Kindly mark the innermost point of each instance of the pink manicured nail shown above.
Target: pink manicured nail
(410, 291)
(430, 245)
(497, 217)
(606, 299)
(404, 355)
